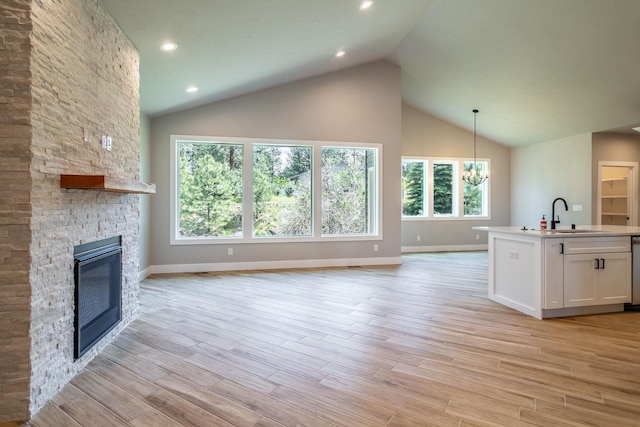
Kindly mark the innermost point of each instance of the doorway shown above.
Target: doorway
(617, 194)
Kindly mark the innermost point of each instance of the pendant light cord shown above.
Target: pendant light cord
(475, 116)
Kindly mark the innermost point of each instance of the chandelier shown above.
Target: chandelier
(474, 175)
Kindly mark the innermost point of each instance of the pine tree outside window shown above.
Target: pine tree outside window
(413, 188)
(432, 189)
(250, 190)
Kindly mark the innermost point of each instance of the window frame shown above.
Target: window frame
(485, 186)
(247, 236)
(425, 185)
(458, 192)
(252, 146)
(455, 189)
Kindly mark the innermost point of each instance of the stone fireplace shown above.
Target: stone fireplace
(68, 75)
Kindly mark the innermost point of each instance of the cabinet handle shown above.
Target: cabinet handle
(597, 264)
(602, 259)
(561, 248)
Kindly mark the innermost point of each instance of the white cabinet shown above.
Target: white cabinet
(596, 271)
(553, 295)
(548, 274)
(595, 279)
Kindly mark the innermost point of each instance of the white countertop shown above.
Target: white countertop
(566, 231)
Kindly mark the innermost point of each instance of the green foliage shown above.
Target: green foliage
(344, 191)
(472, 199)
(413, 188)
(473, 194)
(442, 189)
(282, 196)
(299, 161)
(210, 190)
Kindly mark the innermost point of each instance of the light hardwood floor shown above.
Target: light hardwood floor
(411, 345)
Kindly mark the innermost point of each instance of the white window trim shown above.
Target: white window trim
(455, 190)
(459, 190)
(247, 195)
(425, 198)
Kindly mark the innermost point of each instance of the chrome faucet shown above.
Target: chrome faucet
(553, 212)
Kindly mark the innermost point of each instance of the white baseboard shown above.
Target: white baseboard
(444, 248)
(269, 265)
(144, 273)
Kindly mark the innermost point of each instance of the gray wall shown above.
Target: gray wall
(360, 104)
(615, 147)
(145, 199)
(425, 135)
(541, 172)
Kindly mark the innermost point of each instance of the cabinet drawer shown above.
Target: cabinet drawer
(589, 245)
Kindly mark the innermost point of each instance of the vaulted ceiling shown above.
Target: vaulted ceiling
(537, 70)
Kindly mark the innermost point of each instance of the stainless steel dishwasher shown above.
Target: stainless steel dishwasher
(635, 274)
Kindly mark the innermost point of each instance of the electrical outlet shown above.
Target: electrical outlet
(375, 248)
(230, 251)
(477, 237)
(577, 208)
(418, 238)
(515, 254)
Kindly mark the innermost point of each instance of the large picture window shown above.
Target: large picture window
(209, 189)
(348, 189)
(281, 190)
(259, 190)
(432, 188)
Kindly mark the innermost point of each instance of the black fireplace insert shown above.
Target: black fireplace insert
(98, 302)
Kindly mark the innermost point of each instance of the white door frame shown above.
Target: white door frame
(632, 201)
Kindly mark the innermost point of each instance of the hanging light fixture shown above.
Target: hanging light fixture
(474, 175)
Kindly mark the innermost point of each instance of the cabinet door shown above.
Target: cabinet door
(580, 282)
(614, 278)
(553, 274)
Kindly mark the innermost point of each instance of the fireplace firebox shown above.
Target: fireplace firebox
(98, 297)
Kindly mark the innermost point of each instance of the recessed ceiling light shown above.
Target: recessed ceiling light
(168, 47)
(340, 53)
(366, 4)
(192, 89)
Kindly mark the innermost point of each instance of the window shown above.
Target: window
(475, 196)
(413, 188)
(281, 190)
(432, 188)
(259, 190)
(444, 188)
(348, 188)
(209, 189)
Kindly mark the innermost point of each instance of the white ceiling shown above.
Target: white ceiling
(537, 70)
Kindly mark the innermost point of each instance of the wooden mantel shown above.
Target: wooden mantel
(106, 183)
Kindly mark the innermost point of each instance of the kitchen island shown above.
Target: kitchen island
(562, 272)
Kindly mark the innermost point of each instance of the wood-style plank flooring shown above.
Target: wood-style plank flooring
(412, 345)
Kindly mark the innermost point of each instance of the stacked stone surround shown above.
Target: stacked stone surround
(82, 78)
